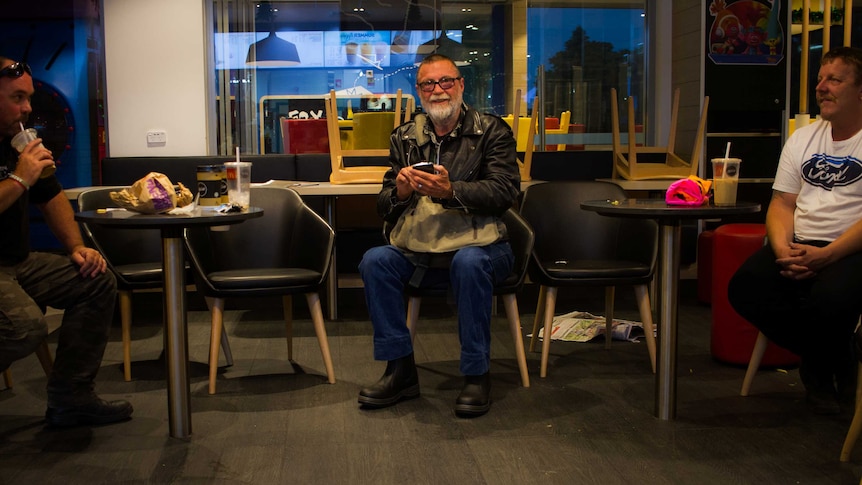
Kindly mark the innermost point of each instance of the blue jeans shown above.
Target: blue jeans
(471, 277)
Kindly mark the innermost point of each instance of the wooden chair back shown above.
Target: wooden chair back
(362, 174)
(526, 165)
(626, 163)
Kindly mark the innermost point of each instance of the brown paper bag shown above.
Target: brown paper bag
(153, 194)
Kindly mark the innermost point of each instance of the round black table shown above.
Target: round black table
(176, 338)
(669, 219)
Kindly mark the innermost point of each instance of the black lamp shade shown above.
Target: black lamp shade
(446, 46)
(272, 51)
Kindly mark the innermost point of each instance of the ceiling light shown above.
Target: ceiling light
(272, 51)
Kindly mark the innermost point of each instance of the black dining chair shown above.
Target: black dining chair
(287, 251)
(578, 248)
(135, 258)
(520, 236)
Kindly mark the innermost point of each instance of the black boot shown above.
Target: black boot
(820, 393)
(91, 411)
(475, 397)
(400, 381)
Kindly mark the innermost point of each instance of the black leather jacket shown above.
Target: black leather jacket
(479, 155)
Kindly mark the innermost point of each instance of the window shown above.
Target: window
(274, 59)
(584, 52)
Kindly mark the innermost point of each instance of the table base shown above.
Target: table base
(665, 391)
(176, 336)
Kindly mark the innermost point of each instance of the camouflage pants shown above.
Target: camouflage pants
(42, 280)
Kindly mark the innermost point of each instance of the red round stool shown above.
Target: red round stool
(733, 337)
(704, 267)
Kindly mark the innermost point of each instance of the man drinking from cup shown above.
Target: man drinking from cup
(803, 290)
(29, 281)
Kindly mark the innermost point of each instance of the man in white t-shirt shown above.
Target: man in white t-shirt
(803, 290)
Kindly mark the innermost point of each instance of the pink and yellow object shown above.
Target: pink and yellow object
(690, 191)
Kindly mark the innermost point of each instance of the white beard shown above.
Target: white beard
(442, 113)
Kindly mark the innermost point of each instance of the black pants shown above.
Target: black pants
(813, 318)
(51, 280)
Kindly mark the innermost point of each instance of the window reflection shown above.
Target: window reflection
(585, 52)
(373, 48)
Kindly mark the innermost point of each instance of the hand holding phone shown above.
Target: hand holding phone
(426, 167)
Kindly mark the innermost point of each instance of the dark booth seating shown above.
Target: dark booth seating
(127, 170)
(572, 165)
(316, 167)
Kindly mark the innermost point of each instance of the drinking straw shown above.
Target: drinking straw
(726, 156)
(21, 125)
(237, 154)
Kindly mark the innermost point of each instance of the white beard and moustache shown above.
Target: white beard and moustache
(442, 113)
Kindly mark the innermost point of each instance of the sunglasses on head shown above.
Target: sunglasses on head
(15, 70)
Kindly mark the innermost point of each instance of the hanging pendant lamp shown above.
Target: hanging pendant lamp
(446, 46)
(272, 51)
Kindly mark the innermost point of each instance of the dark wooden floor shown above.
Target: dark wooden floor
(590, 421)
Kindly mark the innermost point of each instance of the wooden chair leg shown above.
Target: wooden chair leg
(125, 298)
(413, 304)
(225, 347)
(217, 327)
(319, 329)
(287, 304)
(642, 295)
(609, 315)
(754, 363)
(856, 424)
(510, 302)
(548, 311)
(540, 317)
(126, 326)
(43, 353)
(225, 342)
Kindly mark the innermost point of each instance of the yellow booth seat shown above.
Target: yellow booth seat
(372, 129)
(345, 129)
(524, 127)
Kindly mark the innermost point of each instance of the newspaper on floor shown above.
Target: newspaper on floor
(583, 327)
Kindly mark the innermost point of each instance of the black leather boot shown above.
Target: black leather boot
(820, 393)
(475, 397)
(399, 382)
(91, 411)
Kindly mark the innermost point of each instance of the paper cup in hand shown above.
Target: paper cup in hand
(22, 139)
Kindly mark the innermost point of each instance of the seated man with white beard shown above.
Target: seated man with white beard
(446, 231)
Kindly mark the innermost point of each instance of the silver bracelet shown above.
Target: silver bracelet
(20, 181)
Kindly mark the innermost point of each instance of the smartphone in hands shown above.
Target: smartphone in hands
(426, 167)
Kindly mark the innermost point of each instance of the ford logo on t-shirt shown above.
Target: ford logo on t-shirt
(828, 172)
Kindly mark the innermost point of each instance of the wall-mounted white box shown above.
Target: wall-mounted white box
(157, 137)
